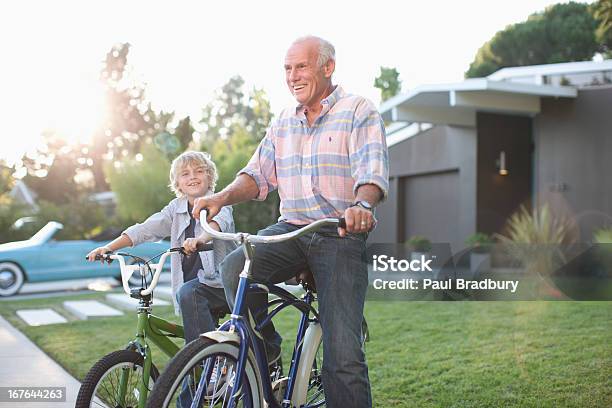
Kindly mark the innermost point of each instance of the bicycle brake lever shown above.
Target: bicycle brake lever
(104, 257)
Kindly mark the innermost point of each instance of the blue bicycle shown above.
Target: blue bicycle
(229, 368)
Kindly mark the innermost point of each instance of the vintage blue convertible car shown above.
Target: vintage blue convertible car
(42, 259)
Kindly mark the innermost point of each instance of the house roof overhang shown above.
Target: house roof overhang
(457, 104)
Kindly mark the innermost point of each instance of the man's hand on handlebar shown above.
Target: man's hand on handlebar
(358, 220)
(91, 257)
(212, 204)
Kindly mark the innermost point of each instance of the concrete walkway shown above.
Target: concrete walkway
(23, 364)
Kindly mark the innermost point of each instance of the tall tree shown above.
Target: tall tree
(232, 109)
(53, 167)
(6, 178)
(57, 171)
(184, 133)
(602, 11)
(233, 127)
(562, 33)
(388, 82)
(126, 121)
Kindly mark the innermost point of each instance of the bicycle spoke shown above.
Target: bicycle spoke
(315, 396)
(109, 388)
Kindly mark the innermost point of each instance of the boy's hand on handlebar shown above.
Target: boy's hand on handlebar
(91, 257)
(358, 220)
(212, 204)
(191, 244)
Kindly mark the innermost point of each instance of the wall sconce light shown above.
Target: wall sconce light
(501, 164)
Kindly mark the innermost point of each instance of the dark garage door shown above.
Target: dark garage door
(430, 207)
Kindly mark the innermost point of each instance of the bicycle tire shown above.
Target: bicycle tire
(102, 369)
(201, 349)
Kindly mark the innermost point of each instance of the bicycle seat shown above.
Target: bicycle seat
(305, 278)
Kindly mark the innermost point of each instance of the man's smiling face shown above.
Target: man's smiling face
(307, 81)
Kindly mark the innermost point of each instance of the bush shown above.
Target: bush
(81, 218)
(141, 187)
(533, 239)
(419, 243)
(11, 211)
(479, 242)
(603, 236)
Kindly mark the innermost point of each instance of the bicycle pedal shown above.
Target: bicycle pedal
(279, 387)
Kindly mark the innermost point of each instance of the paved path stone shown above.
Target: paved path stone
(40, 317)
(85, 309)
(22, 364)
(124, 301)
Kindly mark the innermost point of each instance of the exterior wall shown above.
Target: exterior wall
(573, 171)
(422, 165)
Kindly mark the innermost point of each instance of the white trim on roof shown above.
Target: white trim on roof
(398, 135)
(457, 103)
(551, 69)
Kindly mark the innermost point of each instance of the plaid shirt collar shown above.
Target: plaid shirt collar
(327, 103)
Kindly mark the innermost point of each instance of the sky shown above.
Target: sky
(52, 51)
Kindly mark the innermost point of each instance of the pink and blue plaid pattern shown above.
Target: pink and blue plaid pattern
(317, 169)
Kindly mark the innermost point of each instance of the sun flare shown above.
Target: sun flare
(78, 112)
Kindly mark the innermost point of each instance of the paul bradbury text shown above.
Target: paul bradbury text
(449, 284)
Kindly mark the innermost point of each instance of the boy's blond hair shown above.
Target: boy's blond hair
(195, 159)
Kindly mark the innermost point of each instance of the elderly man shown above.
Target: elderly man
(328, 158)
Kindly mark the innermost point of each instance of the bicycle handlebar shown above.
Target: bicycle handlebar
(241, 237)
(128, 270)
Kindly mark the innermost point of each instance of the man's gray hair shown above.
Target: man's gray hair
(326, 49)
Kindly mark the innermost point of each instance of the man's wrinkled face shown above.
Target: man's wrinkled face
(305, 79)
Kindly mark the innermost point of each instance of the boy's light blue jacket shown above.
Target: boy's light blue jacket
(173, 220)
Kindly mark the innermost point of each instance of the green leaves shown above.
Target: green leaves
(234, 126)
(388, 82)
(562, 33)
(141, 186)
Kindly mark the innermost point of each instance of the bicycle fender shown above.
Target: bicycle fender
(222, 337)
(312, 339)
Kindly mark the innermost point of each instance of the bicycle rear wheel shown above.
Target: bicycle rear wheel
(102, 384)
(205, 372)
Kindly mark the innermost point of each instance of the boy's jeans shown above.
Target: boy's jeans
(341, 277)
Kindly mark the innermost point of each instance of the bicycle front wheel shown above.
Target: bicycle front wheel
(114, 381)
(203, 374)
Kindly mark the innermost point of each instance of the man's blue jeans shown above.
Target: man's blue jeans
(341, 277)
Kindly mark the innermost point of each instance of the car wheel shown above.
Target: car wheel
(11, 278)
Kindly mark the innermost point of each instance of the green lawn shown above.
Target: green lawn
(421, 354)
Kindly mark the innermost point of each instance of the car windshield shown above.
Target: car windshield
(45, 232)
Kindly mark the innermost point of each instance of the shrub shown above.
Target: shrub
(533, 239)
(479, 242)
(603, 236)
(419, 243)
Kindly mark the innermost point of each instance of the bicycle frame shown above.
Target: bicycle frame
(150, 328)
(242, 323)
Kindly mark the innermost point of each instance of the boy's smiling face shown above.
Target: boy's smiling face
(193, 181)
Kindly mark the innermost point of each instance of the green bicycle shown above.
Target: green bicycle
(124, 378)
